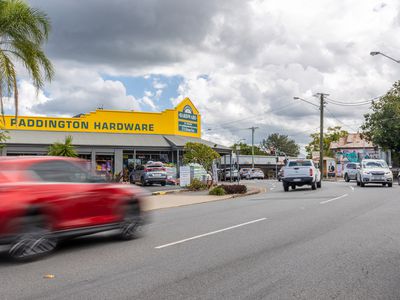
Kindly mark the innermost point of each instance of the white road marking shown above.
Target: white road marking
(209, 233)
(352, 188)
(337, 198)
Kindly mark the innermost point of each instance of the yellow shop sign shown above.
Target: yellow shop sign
(182, 120)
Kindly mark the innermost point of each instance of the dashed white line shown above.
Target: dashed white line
(209, 233)
(352, 188)
(337, 198)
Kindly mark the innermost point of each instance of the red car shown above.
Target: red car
(45, 199)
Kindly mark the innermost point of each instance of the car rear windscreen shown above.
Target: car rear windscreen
(300, 163)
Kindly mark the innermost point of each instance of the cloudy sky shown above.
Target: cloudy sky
(241, 62)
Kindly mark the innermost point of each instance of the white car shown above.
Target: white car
(350, 171)
(235, 174)
(299, 172)
(256, 173)
(374, 171)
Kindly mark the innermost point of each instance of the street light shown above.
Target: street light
(298, 98)
(374, 53)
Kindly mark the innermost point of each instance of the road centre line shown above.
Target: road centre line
(209, 233)
(330, 200)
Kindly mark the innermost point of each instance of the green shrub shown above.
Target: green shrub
(197, 185)
(217, 191)
(234, 188)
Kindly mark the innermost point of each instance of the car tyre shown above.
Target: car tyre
(390, 184)
(34, 241)
(362, 184)
(346, 178)
(163, 183)
(314, 186)
(285, 187)
(319, 184)
(132, 224)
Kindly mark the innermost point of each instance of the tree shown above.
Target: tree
(280, 143)
(382, 126)
(23, 31)
(333, 135)
(246, 149)
(199, 153)
(63, 149)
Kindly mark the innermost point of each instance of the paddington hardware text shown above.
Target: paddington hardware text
(70, 124)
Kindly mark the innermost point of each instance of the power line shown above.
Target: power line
(354, 103)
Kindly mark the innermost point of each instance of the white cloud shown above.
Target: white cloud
(238, 60)
(76, 90)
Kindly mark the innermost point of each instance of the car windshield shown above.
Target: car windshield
(300, 163)
(374, 164)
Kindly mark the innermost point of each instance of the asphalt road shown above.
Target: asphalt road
(339, 242)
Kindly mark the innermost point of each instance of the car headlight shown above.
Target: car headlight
(388, 173)
(366, 173)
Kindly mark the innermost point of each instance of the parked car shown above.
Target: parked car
(151, 173)
(244, 173)
(280, 173)
(374, 171)
(46, 199)
(350, 171)
(299, 172)
(227, 174)
(256, 173)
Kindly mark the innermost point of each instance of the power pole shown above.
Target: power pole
(253, 129)
(321, 132)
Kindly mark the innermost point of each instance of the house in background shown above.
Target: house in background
(354, 148)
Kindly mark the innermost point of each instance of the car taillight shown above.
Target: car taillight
(163, 169)
(147, 170)
(311, 172)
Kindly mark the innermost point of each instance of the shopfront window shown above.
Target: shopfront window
(104, 164)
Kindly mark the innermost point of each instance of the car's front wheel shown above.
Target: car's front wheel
(34, 241)
(346, 177)
(390, 184)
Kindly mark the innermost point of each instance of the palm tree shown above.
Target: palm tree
(23, 31)
(63, 149)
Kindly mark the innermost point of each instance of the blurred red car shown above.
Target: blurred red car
(45, 199)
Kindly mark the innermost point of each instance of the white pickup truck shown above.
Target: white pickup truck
(299, 172)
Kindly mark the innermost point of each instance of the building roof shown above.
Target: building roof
(352, 141)
(105, 139)
(180, 141)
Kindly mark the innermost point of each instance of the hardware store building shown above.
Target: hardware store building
(112, 139)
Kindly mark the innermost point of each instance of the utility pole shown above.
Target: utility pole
(321, 132)
(253, 129)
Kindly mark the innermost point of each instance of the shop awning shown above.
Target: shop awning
(24, 137)
(180, 141)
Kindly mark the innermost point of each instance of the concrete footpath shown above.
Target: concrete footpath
(168, 200)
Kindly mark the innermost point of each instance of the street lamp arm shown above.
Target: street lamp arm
(304, 100)
(373, 53)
